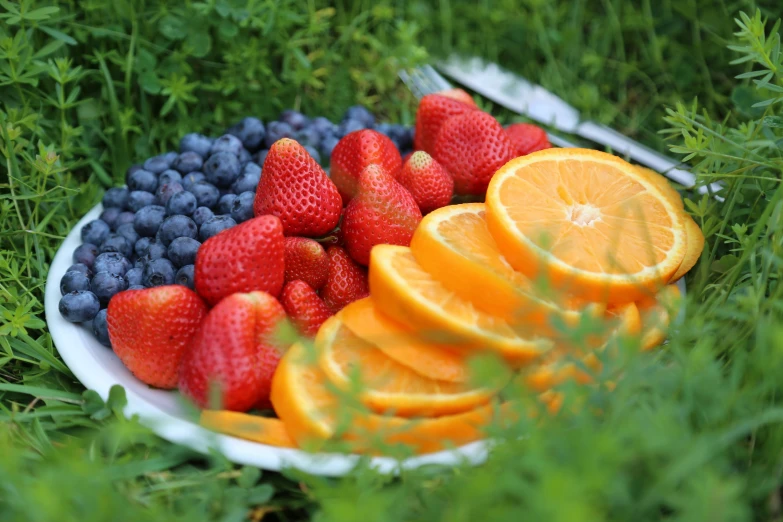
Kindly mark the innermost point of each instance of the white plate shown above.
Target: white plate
(99, 369)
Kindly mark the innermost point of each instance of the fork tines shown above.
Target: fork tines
(424, 80)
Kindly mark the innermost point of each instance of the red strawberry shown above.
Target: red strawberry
(296, 189)
(407, 157)
(151, 329)
(458, 94)
(236, 351)
(347, 280)
(429, 183)
(306, 259)
(472, 147)
(527, 138)
(433, 111)
(383, 211)
(305, 309)
(356, 151)
(244, 258)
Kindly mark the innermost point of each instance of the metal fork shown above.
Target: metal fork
(426, 80)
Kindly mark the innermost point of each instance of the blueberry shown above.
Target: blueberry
(139, 199)
(158, 272)
(116, 197)
(106, 285)
(124, 218)
(323, 126)
(191, 179)
(100, 328)
(133, 276)
(110, 215)
(169, 176)
(313, 152)
(81, 268)
(156, 250)
(361, 114)
(166, 191)
(247, 182)
(186, 276)
(226, 143)
(348, 126)
(195, 142)
(74, 281)
(131, 170)
(112, 262)
(328, 144)
(207, 194)
(242, 208)
(244, 157)
(202, 215)
(188, 162)
(250, 132)
(158, 164)
(143, 180)
(177, 226)
(214, 226)
(142, 245)
(148, 220)
(182, 251)
(222, 169)
(140, 262)
(400, 135)
(170, 156)
(181, 203)
(295, 119)
(308, 136)
(383, 128)
(136, 287)
(226, 203)
(128, 232)
(79, 306)
(117, 243)
(277, 130)
(95, 232)
(85, 254)
(260, 156)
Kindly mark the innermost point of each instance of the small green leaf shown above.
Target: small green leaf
(775, 122)
(117, 398)
(58, 35)
(200, 42)
(42, 13)
(228, 29)
(172, 28)
(248, 477)
(149, 82)
(261, 494)
(92, 402)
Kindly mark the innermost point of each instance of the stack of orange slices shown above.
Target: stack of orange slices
(565, 237)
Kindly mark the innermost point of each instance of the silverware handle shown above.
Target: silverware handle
(624, 145)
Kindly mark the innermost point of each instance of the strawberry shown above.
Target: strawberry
(347, 280)
(356, 151)
(527, 138)
(458, 94)
(472, 147)
(383, 211)
(296, 189)
(244, 258)
(236, 351)
(304, 308)
(151, 329)
(429, 183)
(306, 259)
(433, 111)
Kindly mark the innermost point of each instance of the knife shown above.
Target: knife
(523, 97)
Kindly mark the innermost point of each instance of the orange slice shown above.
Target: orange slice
(387, 386)
(663, 185)
(656, 314)
(695, 245)
(454, 245)
(589, 221)
(407, 293)
(310, 411)
(437, 362)
(251, 427)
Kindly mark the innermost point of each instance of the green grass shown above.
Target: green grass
(692, 432)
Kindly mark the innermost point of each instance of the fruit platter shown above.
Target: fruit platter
(295, 293)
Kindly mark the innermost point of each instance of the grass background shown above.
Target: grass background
(692, 432)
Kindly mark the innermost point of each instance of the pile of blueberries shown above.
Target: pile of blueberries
(151, 229)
